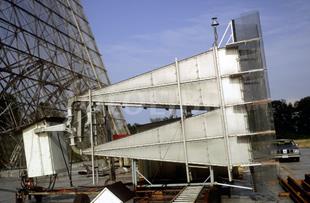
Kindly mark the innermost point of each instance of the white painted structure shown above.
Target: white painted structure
(106, 196)
(204, 134)
(204, 141)
(160, 86)
(229, 82)
(43, 150)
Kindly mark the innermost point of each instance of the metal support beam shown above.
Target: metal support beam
(211, 174)
(134, 172)
(109, 138)
(195, 184)
(91, 136)
(149, 182)
(224, 35)
(54, 128)
(97, 174)
(222, 106)
(112, 169)
(182, 121)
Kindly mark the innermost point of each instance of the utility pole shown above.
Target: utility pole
(221, 99)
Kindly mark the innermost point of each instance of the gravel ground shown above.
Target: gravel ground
(9, 185)
(9, 182)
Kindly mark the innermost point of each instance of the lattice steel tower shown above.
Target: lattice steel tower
(48, 54)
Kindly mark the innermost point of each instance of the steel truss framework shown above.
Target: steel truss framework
(48, 54)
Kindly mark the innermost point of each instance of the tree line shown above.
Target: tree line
(292, 120)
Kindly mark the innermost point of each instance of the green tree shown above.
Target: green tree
(283, 121)
(302, 113)
(292, 121)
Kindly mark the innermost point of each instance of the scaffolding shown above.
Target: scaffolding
(48, 54)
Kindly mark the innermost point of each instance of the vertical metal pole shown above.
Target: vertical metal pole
(222, 103)
(254, 183)
(214, 25)
(112, 169)
(182, 120)
(136, 177)
(211, 174)
(79, 125)
(109, 138)
(233, 30)
(91, 137)
(134, 173)
(97, 175)
(121, 162)
(95, 129)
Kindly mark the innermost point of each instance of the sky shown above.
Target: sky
(136, 36)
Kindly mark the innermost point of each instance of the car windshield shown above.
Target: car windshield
(283, 143)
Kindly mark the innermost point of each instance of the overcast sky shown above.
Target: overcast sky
(139, 35)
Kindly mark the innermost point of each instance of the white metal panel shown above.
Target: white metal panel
(213, 124)
(240, 149)
(199, 93)
(173, 152)
(35, 152)
(237, 122)
(228, 61)
(46, 155)
(165, 75)
(106, 196)
(58, 155)
(188, 69)
(43, 155)
(173, 130)
(159, 87)
(216, 152)
(204, 141)
(232, 91)
(207, 126)
(205, 65)
(197, 152)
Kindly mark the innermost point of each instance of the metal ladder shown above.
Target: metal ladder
(188, 195)
(16, 154)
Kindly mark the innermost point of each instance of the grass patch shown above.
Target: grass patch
(303, 143)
